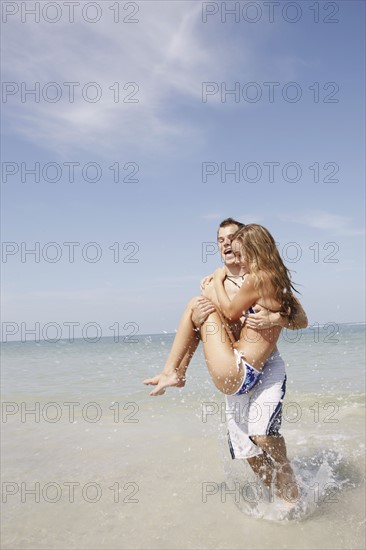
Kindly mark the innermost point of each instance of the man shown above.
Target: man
(262, 452)
(256, 440)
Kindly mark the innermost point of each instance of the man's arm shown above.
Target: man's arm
(263, 319)
(300, 319)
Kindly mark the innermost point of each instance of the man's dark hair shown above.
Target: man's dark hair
(230, 221)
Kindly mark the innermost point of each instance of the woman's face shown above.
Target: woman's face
(239, 253)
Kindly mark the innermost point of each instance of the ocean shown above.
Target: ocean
(90, 460)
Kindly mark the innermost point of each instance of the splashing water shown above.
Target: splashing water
(321, 478)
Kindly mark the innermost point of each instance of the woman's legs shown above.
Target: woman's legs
(217, 342)
(185, 344)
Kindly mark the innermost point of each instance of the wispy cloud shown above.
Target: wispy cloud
(244, 217)
(326, 221)
(213, 216)
(165, 55)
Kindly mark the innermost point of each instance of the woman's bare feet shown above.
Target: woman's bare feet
(163, 380)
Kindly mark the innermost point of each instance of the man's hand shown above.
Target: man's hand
(201, 311)
(262, 318)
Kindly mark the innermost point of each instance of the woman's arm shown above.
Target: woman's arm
(206, 281)
(246, 296)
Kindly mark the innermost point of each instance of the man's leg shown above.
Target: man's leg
(264, 422)
(281, 471)
(263, 467)
(240, 444)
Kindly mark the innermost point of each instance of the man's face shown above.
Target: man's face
(224, 237)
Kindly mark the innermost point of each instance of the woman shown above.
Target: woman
(236, 367)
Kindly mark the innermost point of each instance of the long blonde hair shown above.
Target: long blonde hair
(261, 254)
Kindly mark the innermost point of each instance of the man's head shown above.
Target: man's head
(226, 230)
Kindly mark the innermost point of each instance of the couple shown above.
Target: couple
(239, 318)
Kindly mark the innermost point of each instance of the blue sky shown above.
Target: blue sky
(169, 213)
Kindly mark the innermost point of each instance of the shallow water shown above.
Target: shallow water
(116, 468)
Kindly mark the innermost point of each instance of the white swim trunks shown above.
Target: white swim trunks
(257, 412)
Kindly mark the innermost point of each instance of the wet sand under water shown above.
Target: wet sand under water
(171, 475)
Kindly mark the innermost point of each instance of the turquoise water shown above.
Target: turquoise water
(78, 413)
(328, 359)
